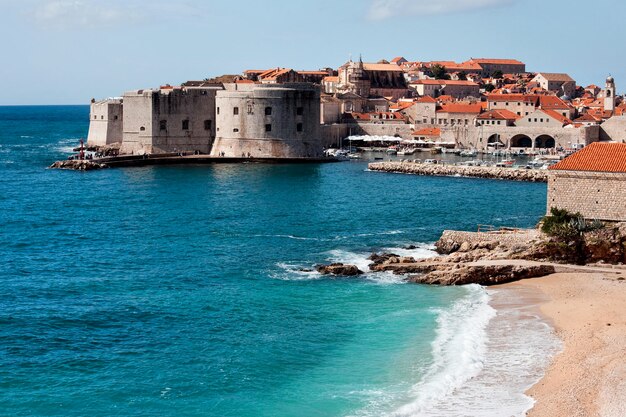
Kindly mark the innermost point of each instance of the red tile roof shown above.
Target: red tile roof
(427, 131)
(499, 114)
(553, 102)
(445, 82)
(597, 157)
(426, 99)
(496, 61)
(558, 116)
(460, 108)
(528, 98)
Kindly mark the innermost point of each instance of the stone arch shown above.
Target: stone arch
(521, 141)
(544, 142)
(495, 138)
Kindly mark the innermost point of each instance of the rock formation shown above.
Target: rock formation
(77, 164)
(482, 274)
(339, 269)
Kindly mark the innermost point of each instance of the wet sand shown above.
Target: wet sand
(588, 312)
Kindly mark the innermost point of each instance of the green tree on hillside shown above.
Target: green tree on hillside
(439, 72)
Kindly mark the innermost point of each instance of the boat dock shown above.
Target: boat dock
(176, 159)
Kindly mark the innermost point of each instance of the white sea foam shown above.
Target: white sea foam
(289, 271)
(298, 271)
(459, 352)
(483, 361)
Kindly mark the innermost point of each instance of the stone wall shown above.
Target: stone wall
(478, 136)
(162, 121)
(105, 122)
(268, 121)
(614, 129)
(595, 195)
(333, 135)
(453, 240)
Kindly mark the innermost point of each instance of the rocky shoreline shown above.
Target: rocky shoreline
(78, 165)
(415, 168)
(498, 257)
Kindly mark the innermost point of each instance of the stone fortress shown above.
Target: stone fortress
(282, 113)
(220, 119)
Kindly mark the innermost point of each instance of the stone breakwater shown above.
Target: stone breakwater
(512, 174)
(78, 164)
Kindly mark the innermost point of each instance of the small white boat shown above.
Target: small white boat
(469, 153)
(392, 150)
(505, 163)
(406, 151)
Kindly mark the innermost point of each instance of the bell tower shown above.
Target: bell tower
(609, 94)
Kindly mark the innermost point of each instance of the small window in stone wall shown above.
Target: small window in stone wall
(235, 130)
(142, 128)
(268, 111)
(235, 111)
(300, 111)
(95, 116)
(185, 124)
(299, 127)
(207, 124)
(115, 117)
(218, 110)
(268, 127)
(101, 117)
(163, 125)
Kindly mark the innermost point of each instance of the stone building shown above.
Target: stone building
(105, 122)
(490, 65)
(454, 88)
(169, 119)
(592, 181)
(366, 79)
(561, 84)
(281, 121)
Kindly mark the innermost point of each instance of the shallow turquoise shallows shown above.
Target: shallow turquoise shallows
(178, 291)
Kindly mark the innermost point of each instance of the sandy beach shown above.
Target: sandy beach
(588, 311)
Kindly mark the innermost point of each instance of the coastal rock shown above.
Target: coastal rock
(382, 258)
(482, 274)
(77, 164)
(339, 269)
(605, 245)
(446, 246)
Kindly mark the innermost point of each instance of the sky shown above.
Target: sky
(68, 51)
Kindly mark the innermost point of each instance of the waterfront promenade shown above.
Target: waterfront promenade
(416, 168)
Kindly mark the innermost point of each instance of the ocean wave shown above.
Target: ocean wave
(295, 272)
(299, 271)
(459, 352)
(289, 237)
(483, 360)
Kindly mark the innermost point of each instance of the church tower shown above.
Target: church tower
(609, 94)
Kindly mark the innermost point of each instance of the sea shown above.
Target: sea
(188, 291)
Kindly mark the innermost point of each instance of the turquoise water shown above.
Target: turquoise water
(177, 291)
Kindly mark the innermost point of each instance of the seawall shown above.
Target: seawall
(512, 174)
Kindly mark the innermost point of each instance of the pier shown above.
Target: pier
(437, 170)
(175, 159)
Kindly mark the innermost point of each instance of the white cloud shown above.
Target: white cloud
(384, 9)
(83, 14)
